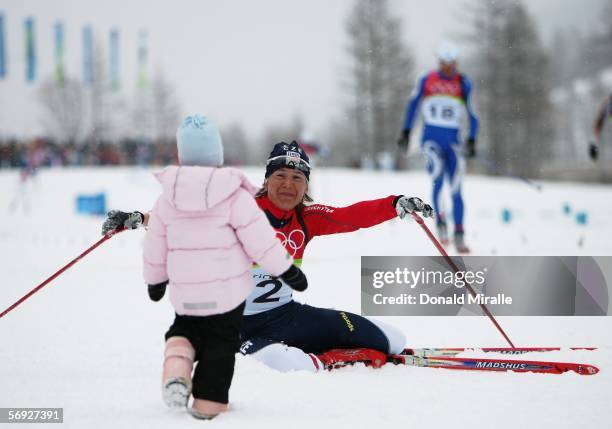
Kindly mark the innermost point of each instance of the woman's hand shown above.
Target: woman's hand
(407, 205)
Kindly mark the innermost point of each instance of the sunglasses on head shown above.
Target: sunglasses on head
(289, 162)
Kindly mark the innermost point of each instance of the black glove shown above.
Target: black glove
(117, 220)
(404, 206)
(295, 278)
(470, 148)
(156, 292)
(404, 140)
(593, 151)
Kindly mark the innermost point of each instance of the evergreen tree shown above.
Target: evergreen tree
(513, 86)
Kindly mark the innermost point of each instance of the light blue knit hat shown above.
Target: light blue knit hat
(199, 142)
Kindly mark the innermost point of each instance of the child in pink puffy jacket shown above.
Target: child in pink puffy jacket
(203, 235)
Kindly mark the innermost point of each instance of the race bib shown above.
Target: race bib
(442, 111)
(269, 293)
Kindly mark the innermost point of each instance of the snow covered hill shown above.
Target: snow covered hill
(91, 342)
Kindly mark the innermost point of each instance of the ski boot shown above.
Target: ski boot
(443, 233)
(338, 358)
(460, 243)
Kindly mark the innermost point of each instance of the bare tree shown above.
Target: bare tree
(582, 54)
(103, 106)
(165, 107)
(63, 107)
(596, 51)
(235, 145)
(274, 134)
(156, 111)
(142, 115)
(565, 56)
(380, 76)
(91, 114)
(341, 133)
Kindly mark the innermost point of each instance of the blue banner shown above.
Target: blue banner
(2, 49)
(114, 59)
(87, 56)
(30, 50)
(59, 53)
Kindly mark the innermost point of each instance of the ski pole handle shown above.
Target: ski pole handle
(60, 271)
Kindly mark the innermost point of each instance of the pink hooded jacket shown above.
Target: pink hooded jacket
(204, 232)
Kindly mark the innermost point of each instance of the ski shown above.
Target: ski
(481, 364)
(454, 351)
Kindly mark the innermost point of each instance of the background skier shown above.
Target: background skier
(443, 95)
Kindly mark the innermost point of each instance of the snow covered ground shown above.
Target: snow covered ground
(91, 342)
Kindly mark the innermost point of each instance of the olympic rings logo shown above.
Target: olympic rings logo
(292, 242)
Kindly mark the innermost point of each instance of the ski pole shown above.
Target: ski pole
(450, 262)
(491, 166)
(60, 271)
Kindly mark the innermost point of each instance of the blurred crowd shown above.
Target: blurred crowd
(43, 152)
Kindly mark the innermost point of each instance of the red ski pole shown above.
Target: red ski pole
(60, 271)
(450, 262)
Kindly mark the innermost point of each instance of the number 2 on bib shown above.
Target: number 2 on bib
(266, 297)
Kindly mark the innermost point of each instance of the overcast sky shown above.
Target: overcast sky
(254, 62)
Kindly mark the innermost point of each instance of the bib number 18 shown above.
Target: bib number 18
(445, 112)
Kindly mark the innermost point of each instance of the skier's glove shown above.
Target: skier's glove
(470, 148)
(593, 151)
(157, 291)
(405, 205)
(117, 220)
(404, 140)
(295, 278)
